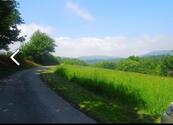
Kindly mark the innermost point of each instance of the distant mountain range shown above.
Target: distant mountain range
(159, 53)
(95, 59)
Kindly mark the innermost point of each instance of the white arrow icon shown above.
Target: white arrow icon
(12, 57)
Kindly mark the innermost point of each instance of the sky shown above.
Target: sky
(100, 27)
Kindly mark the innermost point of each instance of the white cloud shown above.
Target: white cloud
(82, 12)
(28, 30)
(119, 46)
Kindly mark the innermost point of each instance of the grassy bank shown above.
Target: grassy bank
(139, 97)
(7, 66)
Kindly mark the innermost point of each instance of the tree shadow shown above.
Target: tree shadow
(127, 103)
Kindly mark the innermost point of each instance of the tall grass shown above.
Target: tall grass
(145, 93)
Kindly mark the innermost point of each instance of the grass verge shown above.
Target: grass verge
(7, 66)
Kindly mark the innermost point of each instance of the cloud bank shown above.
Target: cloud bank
(119, 46)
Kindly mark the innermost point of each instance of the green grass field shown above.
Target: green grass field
(145, 94)
(112, 96)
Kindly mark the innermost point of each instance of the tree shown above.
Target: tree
(129, 65)
(167, 66)
(39, 47)
(9, 19)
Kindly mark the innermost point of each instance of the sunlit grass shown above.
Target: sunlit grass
(98, 107)
(145, 93)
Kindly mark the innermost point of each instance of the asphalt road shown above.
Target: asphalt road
(24, 98)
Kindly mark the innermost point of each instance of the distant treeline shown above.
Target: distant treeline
(72, 61)
(155, 65)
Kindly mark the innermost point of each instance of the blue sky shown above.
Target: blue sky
(143, 25)
(111, 17)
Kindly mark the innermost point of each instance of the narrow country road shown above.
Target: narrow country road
(24, 98)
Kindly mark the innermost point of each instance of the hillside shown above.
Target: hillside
(159, 53)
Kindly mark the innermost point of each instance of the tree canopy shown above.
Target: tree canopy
(39, 47)
(9, 19)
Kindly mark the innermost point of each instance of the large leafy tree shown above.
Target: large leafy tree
(9, 19)
(39, 47)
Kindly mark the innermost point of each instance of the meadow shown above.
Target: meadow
(141, 93)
